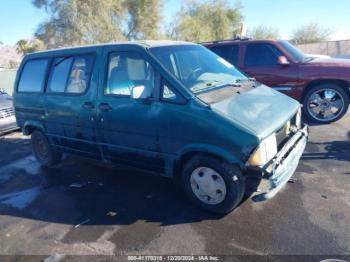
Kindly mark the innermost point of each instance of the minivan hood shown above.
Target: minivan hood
(5, 101)
(262, 110)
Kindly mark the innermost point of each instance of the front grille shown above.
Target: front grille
(6, 112)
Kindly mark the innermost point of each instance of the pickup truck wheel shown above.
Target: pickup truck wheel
(325, 103)
(43, 151)
(212, 184)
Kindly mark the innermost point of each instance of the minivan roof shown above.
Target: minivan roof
(141, 43)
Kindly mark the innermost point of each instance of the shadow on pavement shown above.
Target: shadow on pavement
(334, 150)
(81, 191)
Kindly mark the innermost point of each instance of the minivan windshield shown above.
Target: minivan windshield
(199, 69)
(296, 53)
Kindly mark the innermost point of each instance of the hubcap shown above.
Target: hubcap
(325, 104)
(208, 185)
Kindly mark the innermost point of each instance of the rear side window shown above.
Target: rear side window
(228, 52)
(32, 78)
(59, 74)
(80, 74)
(70, 74)
(261, 55)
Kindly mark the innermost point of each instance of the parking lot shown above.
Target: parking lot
(81, 207)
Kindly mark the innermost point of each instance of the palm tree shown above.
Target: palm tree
(25, 47)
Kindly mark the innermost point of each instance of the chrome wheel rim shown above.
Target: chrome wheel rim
(208, 185)
(325, 104)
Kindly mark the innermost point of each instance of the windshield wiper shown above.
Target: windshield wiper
(239, 83)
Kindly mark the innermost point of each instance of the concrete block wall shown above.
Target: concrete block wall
(340, 49)
(7, 80)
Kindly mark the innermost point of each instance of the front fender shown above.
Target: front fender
(212, 150)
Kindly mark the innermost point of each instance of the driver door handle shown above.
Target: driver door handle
(105, 107)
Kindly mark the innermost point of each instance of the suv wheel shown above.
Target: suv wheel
(325, 103)
(212, 184)
(43, 151)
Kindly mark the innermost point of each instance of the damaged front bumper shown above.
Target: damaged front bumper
(280, 169)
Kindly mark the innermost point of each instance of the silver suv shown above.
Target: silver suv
(7, 114)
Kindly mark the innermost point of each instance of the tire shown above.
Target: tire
(43, 151)
(310, 103)
(229, 175)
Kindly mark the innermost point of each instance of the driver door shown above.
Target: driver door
(128, 122)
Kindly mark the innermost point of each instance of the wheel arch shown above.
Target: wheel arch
(214, 152)
(31, 125)
(345, 85)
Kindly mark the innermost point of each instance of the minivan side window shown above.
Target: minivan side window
(261, 55)
(59, 74)
(228, 52)
(32, 78)
(70, 74)
(169, 95)
(127, 70)
(80, 74)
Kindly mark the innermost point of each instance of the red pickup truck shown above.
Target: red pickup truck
(321, 85)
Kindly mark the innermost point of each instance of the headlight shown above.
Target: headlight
(265, 152)
(298, 119)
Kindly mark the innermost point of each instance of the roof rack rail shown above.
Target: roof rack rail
(236, 38)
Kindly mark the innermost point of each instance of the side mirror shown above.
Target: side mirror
(137, 91)
(140, 92)
(282, 60)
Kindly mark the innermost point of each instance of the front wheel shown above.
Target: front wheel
(212, 184)
(43, 151)
(325, 103)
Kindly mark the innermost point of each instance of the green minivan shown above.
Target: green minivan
(167, 107)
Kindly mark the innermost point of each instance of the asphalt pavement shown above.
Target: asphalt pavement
(82, 207)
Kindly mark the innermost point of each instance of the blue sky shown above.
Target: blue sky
(19, 18)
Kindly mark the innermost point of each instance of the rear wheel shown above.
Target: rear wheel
(325, 103)
(212, 184)
(43, 151)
